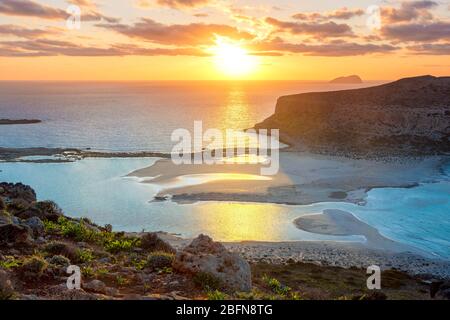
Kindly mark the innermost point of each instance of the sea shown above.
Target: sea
(141, 116)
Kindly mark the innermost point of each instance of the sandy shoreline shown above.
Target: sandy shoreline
(302, 179)
(331, 253)
(342, 223)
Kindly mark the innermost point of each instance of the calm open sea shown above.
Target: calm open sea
(141, 116)
(135, 115)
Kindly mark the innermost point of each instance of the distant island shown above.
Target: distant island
(353, 79)
(19, 121)
(410, 116)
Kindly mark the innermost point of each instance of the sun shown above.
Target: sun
(232, 59)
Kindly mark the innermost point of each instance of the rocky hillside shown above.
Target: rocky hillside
(408, 116)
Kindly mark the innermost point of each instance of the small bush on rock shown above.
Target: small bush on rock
(159, 260)
(152, 242)
(207, 281)
(59, 261)
(34, 267)
(63, 249)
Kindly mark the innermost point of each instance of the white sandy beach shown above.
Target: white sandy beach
(302, 179)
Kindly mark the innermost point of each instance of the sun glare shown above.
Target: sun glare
(232, 59)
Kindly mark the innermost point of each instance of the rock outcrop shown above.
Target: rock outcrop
(204, 255)
(19, 121)
(408, 116)
(347, 80)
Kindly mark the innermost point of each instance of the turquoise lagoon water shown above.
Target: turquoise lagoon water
(98, 189)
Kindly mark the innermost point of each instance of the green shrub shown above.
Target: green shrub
(84, 255)
(34, 266)
(87, 271)
(159, 260)
(9, 263)
(216, 295)
(275, 285)
(121, 281)
(207, 281)
(59, 260)
(124, 244)
(82, 231)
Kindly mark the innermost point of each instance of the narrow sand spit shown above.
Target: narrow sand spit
(302, 179)
(342, 223)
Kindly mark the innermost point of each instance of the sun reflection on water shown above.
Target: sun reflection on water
(242, 221)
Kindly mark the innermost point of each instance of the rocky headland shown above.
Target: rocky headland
(410, 116)
(19, 121)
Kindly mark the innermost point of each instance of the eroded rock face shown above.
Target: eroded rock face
(13, 233)
(44, 210)
(406, 116)
(205, 255)
(11, 191)
(36, 225)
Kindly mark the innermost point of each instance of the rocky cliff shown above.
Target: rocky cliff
(408, 116)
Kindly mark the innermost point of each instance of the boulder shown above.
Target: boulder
(6, 287)
(12, 233)
(17, 191)
(98, 286)
(36, 225)
(204, 255)
(60, 292)
(440, 290)
(2, 203)
(5, 217)
(44, 210)
(152, 242)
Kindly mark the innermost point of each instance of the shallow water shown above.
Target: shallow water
(98, 189)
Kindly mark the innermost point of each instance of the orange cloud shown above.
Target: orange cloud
(322, 30)
(178, 34)
(342, 14)
(182, 3)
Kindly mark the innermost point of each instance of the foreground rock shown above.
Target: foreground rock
(14, 234)
(204, 255)
(409, 116)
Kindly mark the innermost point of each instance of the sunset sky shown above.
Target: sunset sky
(223, 39)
